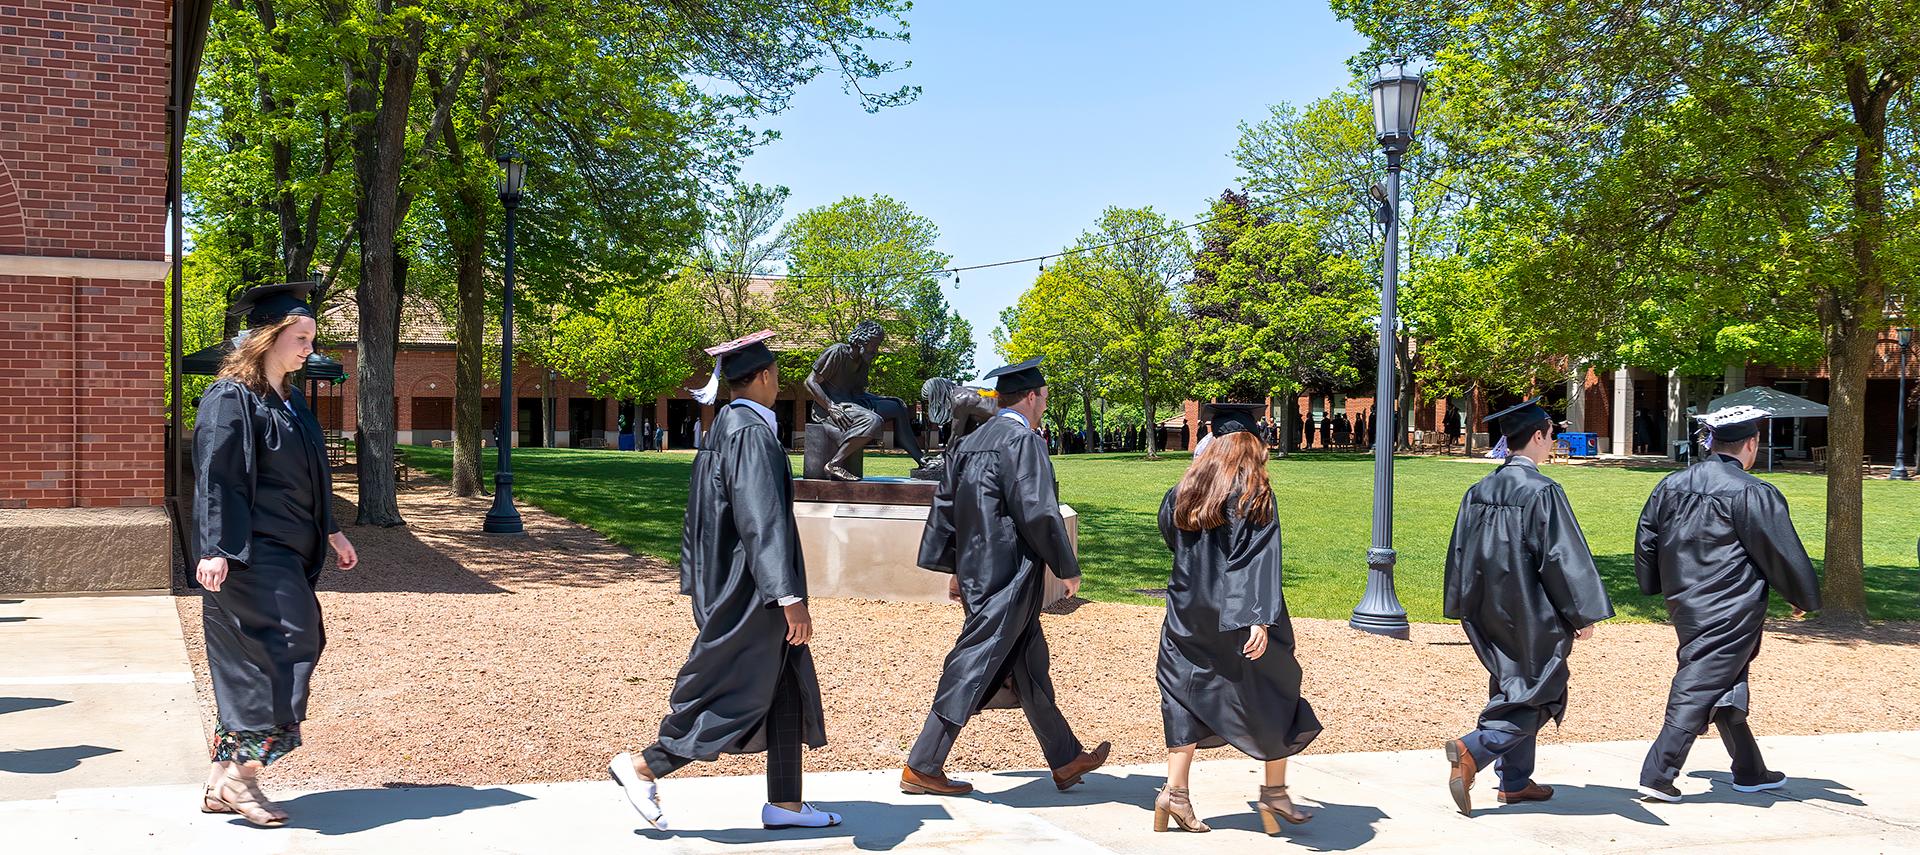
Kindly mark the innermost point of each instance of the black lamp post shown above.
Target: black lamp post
(502, 518)
(1396, 106)
(1899, 471)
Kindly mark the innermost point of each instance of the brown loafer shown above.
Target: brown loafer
(914, 783)
(1532, 792)
(1070, 774)
(1460, 775)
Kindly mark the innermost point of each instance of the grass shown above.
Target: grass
(639, 500)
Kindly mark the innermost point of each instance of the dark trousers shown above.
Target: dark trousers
(785, 724)
(1512, 752)
(1669, 751)
(1050, 728)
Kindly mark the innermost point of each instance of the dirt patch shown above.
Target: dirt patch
(455, 657)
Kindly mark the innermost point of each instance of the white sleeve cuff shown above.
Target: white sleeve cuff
(783, 602)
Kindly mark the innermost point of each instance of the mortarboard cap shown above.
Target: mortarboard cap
(1018, 377)
(735, 360)
(1732, 424)
(265, 305)
(1232, 418)
(1516, 418)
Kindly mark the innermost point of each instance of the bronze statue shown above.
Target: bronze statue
(962, 407)
(853, 417)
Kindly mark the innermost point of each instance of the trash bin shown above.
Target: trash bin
(1580, 444)
(626, 442)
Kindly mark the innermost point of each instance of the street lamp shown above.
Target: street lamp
(1396, 92)
(502, 518)
(1899, 471)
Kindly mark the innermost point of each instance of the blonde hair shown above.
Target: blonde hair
(1234, 461)
(247, 364)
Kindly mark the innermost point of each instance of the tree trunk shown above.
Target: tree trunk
(1283, 422)
(1473, 417)
(1146, 406)
(470, 351)
(381, 143)
(1403, 396)
(1086, 401)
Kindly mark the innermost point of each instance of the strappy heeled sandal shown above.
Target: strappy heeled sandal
(210, 803)
(1274, 802)
(256, 809)
(1174, 802)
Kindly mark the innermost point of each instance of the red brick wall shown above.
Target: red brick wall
(83, 97)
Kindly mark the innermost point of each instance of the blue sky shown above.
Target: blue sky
(1035, 116)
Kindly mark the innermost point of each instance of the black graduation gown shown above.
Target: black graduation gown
(1521, 580)
(739, 555)
(1224, 580)
(265, 503)
(1713, 539)
(996, 522)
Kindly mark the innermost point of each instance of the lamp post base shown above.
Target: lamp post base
(1380, 611)
(1899, 473)
(503, 518)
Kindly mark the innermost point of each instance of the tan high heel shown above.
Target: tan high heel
(1173, 802)
(1274, 802)
(256, 809)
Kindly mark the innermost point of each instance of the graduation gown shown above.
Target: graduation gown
(1224, 580)
(996, 522)
(1521, 580)
(1713, 539)
(265, 503)
(739, 555)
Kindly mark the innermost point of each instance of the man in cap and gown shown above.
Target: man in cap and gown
(1714, 540)
(995, 525)
(1522, 583)
(748, 684)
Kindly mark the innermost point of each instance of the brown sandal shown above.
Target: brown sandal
(256, 809)
(210, 803)
(1174, 802)
(1274, 802)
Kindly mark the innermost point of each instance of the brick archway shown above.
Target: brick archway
(13, 220)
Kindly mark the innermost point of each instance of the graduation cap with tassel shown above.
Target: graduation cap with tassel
(735, 360)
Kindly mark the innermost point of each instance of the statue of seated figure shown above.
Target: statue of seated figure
(838, 387)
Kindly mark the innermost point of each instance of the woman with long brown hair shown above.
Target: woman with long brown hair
(1226, 671)
(264, 513)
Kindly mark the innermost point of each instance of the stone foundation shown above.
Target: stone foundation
(870, 551)
(77, 550)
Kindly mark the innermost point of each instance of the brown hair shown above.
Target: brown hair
(1232, 462)
(247, 364)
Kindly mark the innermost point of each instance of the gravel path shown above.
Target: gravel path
(458, 658)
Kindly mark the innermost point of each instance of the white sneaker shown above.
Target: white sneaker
(643, 794)
(774, 817)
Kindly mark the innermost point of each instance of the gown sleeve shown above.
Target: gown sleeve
(1646, 546)
(1462, 582)
(1168, 531)
(1566, 564)
(225, 467)
(1035, 508)
(1766, 530)
(760, 515)
(937, 548)
(1251, 594)
(328, 525)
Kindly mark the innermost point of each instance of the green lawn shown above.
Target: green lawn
(639, 499)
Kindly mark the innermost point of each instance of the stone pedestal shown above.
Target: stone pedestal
(862, 539)
(822, 441)
(75, 550)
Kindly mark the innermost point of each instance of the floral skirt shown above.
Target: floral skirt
(262, 746)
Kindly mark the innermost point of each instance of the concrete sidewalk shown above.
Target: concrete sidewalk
(1851, 793)
(95, 692)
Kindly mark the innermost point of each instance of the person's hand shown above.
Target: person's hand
(1256, 645)
(799, 624)
(953, 588)
(211, 572)
(1583, 633)
(349, 559)
(1073, 586)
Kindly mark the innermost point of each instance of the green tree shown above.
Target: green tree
(1052, 320)
(942, 340)
(1693, 150)
(742, 242)
(634, 344)
(1133, 263)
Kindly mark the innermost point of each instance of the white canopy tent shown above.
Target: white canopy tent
(1777, 404)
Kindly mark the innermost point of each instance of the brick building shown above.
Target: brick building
(84, 92)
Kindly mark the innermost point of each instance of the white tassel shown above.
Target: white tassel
(709, 393)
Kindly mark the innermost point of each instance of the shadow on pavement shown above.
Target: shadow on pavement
(1575, 800)
(1797, 789)
(1335, 827)
(8, 705)
(350, 811)
(49, 761)
(17, 618)
(1097, 788)
(874, 826)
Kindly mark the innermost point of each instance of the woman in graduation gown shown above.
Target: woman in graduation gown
(1226, 670)
(264, 513)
